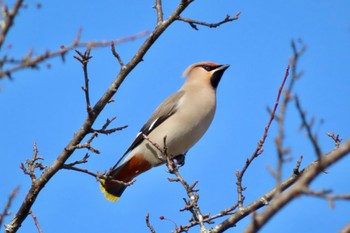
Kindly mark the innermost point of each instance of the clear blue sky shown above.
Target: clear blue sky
(48, 106)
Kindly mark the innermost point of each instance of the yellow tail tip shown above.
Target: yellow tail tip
(108, 196)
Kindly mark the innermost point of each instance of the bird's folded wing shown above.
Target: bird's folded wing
(163, 112)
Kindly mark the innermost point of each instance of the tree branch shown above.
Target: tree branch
(8, 19)
(275, 203)
(84, 59)
(33, 164)
(259, 148)
(6, 210)
(29, 62)
(307, 126)
(313, 171)
(336, 138)
(194, 23)
(326, 194)
(191, 204)
(282, 151)
(36, 222)
(86, 127)
(116, 55)
(149, 224)
(159, 10)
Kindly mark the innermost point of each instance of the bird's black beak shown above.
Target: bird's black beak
(217, 74)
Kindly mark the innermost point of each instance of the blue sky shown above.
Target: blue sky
(48, 106)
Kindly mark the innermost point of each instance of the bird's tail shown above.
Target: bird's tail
(112, 190)
(126, 172)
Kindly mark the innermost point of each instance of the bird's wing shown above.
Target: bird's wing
(163, 112)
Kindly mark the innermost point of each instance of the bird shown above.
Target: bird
(182, 118)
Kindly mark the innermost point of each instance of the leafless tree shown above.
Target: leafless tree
(285, 190)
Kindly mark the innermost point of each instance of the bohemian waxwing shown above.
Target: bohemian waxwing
(183, 118)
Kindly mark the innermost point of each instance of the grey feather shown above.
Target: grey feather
(163, 112)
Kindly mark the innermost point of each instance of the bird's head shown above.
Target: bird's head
(205, 71)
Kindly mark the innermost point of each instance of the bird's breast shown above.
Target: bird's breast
(183, 129)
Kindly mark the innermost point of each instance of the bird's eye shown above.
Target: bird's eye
(207, 67)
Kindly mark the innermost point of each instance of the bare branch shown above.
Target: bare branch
(194, 23)
(282, 151)
(297, 166)
(33, 164)
(98, 176)
(108, 131)
(305, 179)
(8, 19)
(116, 55)
(255, 205)
(86, 127)
(307, 126)
(336, 138)
(85, 145)
(29, 62)
(191, 204)
(104, 129)
(259, 148)
(326, 194)
(149, 224)
(71, 166)
(297, 53)
(346, 229)
(209, 219)
(6, 210)
(83, 160)
(95, 132)
(35, 221)
(159, 10)
(84, 59)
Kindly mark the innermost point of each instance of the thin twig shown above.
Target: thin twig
(282, 151)
(307, 126)
(83, 160)
(71, 166)
(6, 210)
(209, 219)
(36, 222)
(304, 176)
(325, 194)
(309, 175)
(297, 53)
(85, 145)
(84, 59)
(297, 166)
(104, 129)
(33, 164)
(159, 10)
(336, 138)
(259, 148)
(149, 224)
(194, 23)
(191, 204)
(34, 62)
(98, 176)
(95, 132)
(116, 55)
(108, 131)
(8, 17)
